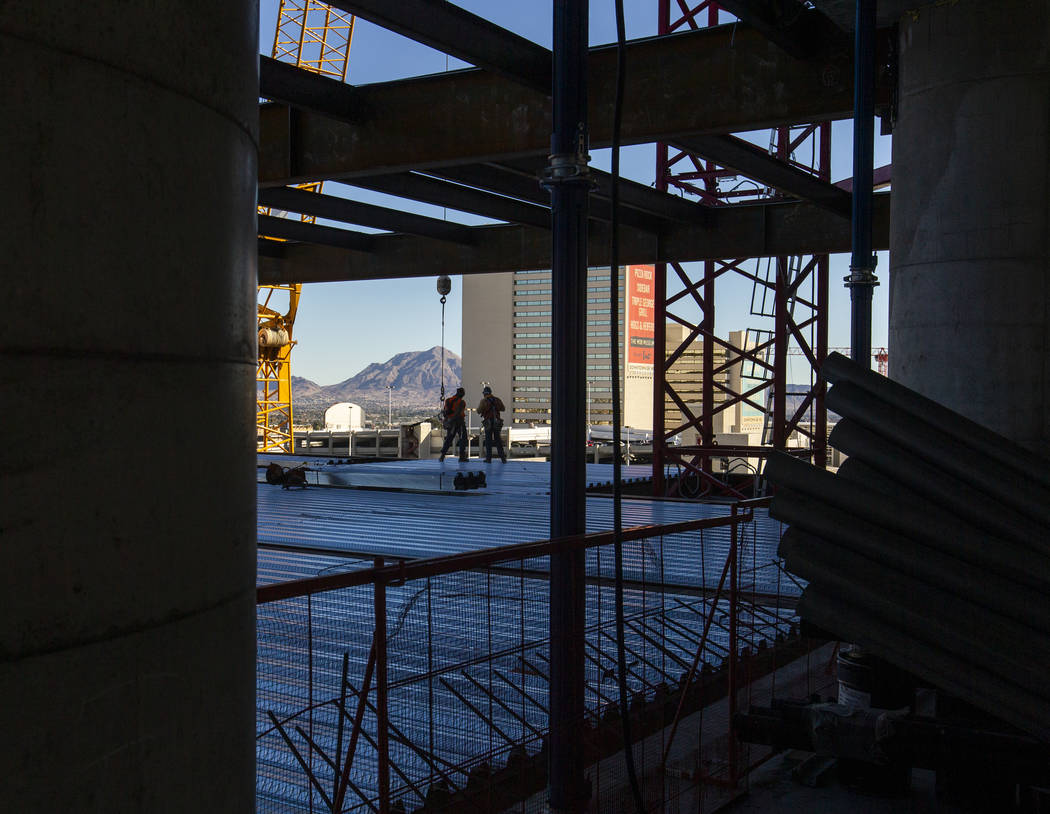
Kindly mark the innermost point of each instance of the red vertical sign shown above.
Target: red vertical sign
(639, 333)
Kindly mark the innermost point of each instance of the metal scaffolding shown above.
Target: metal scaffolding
(789, 293)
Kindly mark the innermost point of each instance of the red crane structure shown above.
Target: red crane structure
(789, 296)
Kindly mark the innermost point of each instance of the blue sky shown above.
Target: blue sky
(343, 327)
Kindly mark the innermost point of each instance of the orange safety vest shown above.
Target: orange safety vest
(454, 407)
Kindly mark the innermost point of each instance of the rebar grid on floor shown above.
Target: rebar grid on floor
(464, 666)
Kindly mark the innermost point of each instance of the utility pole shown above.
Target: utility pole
(389, 392)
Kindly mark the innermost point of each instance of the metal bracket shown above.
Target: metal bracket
(567, 168)
(860, 276)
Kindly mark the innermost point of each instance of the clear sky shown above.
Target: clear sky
(343, 327)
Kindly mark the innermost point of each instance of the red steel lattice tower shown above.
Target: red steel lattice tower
(789, 295)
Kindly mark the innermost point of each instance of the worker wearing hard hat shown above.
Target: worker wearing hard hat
(453, 415)
(490, 408)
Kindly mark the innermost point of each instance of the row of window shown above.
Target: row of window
(546, 345)
(590, 365)
(546, 301)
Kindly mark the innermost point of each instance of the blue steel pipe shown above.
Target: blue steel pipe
(568, 181)
(861, 280)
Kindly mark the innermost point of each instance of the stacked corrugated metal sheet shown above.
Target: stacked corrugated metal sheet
(930, 547)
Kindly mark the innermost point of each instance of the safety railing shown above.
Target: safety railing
(424, 685)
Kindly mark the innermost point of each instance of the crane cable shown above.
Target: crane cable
(444, 286)
(614, 322)
(443, 298)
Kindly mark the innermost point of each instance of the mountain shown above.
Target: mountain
(415, 376)
(304, 388)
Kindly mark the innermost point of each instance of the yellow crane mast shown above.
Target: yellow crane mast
(313, 36)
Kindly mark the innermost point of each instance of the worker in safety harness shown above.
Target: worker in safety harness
(453, 413)
(489, 409)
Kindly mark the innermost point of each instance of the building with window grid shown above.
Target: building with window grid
(507, 344)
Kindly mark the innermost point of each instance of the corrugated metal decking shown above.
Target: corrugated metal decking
(415, 526)
(446, 628)
(432, 475)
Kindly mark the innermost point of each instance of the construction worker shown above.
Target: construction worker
(453, 415)
(489, 409)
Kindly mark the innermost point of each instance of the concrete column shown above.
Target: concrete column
(127, 349)
(970, 270)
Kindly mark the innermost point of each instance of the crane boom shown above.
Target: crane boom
(313, 36)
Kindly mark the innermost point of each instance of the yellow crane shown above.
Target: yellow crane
(313, 36)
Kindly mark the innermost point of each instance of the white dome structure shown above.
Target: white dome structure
(344, 416)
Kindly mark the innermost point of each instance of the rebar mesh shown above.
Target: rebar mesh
(466, 676)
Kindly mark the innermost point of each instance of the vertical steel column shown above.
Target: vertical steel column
(780, 343)
(820, 417)
(382, 712)
(734, 674)
(663, 26)
(820, 423)
(568, 180)
(707, 430)
(780, 320)
(659, 362)
(862, 280)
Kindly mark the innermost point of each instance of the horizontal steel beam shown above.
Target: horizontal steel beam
(377, 217)
(294, 229)
(455, 31)
(801, 32)
(634, 197)
(473, 116)
(758, 164)
(434, 191)
(525, 186)
(759, 230)
(308, 90)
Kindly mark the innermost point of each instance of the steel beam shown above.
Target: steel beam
(760, 230)
(801, 32)
(456, 196)
(362, 214)
(455, 31)
(756, 163)
(473, 116)
(646, 199)
(308, 90)
(524, 185)
(289, 229)
(634, 197)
